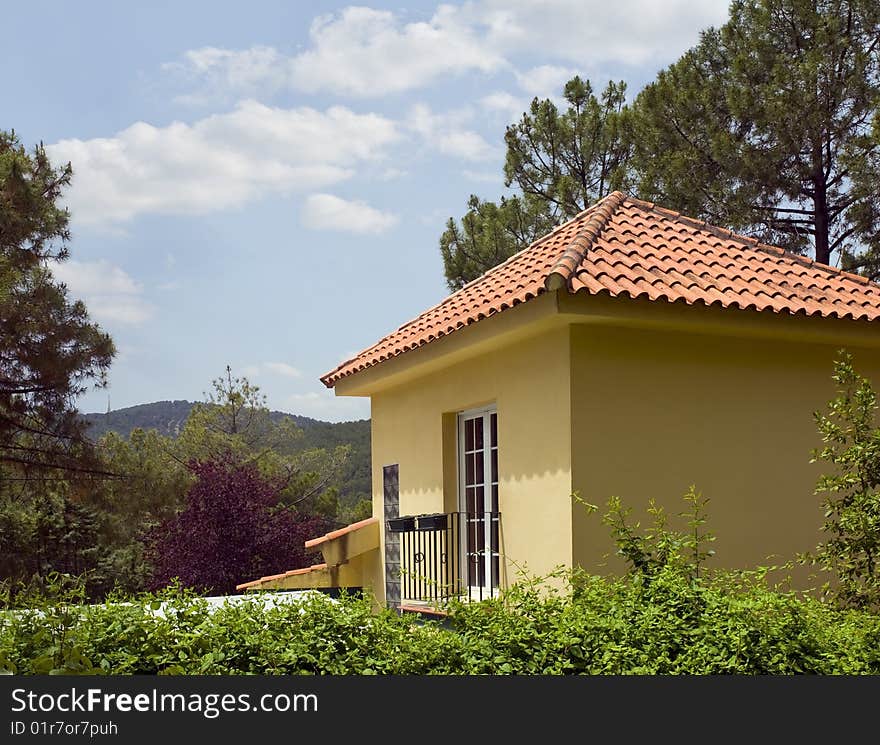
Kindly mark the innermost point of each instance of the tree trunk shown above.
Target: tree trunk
(820, 209)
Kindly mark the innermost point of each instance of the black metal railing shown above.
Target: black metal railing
(446, 555)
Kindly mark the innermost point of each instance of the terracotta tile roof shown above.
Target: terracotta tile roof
(341, 532)
(626, 247)
(273, 577)
(362, 541)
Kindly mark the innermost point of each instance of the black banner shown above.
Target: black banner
(230, 709)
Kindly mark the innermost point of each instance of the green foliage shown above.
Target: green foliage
(560, 161)
(360, 510)
(667, 615)
(768, 126)
(687, 142)
(151, 484)
(175, 632)
(49, 532)
(53, 610)
(569, 159)
(50, 351)
(231, 526)
(671, 625)
(490, 233)
(99, 527)
(658, 547)
(765, 126)
(851, 501)
(150, 491)
(730, 624)
(168, 418)
(235, 424)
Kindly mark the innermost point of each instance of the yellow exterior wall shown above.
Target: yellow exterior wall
(654, 411)
(614, 397)
(528, 380)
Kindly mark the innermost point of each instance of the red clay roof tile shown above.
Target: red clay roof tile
(341, 532)
(272, 577)
(626, 247)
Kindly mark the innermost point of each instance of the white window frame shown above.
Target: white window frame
(486, 412)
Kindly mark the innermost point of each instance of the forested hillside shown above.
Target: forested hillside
(168, 418)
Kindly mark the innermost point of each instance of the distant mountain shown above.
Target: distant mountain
(168, 417)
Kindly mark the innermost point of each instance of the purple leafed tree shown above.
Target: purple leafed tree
(231, 530)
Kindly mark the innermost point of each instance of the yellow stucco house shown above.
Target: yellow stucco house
(633, 352)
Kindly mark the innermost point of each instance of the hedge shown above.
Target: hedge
(668, 624)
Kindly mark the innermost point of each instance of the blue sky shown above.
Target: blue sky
(263, 184)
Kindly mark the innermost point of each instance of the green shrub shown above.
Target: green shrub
(668, 615)
(665, 624)
(851, 491)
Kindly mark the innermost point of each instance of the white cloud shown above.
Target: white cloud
(329, 212)
(435, 218)
(219, 162)
(283, 369)
(484, 177)
(447, 133)
(392, 174)
(221, 72)
(359, 52)
(364, 52)
(109, 293)
(505, 103)
(325, 405)
(545, 81)
(591, 32)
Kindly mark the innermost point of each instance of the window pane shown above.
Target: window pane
(479, 502)
(473, 558)
(470, 503)
(480, 535)
(480, 532)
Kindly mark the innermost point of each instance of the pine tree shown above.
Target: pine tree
(559, 161)
(50, 351)
(765, 127)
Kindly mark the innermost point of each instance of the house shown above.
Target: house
(632, 351)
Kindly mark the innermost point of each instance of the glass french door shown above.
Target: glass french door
(478, 499)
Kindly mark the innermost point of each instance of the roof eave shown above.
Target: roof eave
(584, 308)
(522, 320)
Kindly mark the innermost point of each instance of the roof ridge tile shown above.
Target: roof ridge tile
(576, 251)
(747, 239)
(629, 248)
